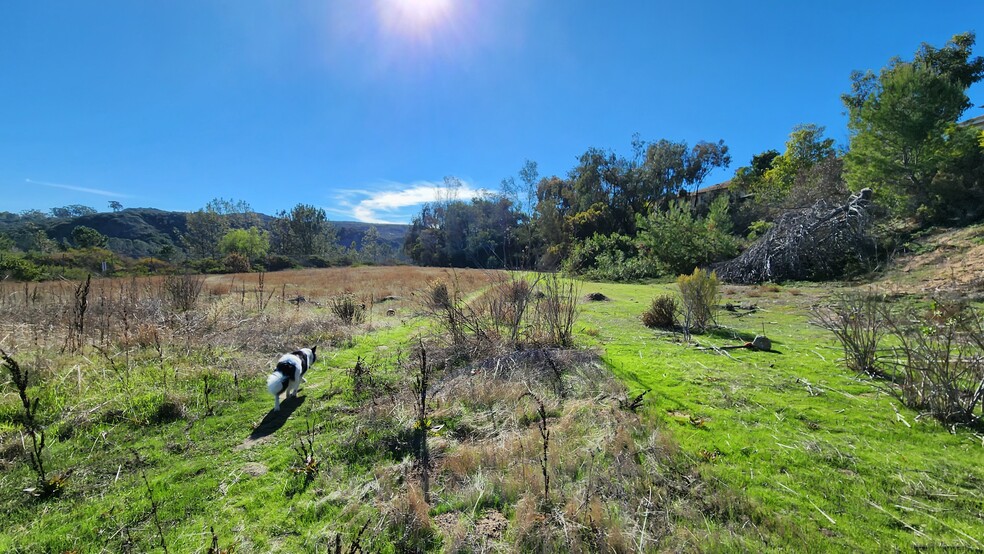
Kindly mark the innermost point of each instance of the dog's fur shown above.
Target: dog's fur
(290, 373)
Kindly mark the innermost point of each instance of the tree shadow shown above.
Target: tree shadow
(273, 421)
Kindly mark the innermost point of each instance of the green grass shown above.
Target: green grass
(817, 458)
(803, 437)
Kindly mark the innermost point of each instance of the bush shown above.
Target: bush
(700, 293)
(236, 263)
(677, 242)
(183, 290)
(348, 308)
(276, 262)
(661, 313)
(19, 269)
(150, 266)
(207, 265)
(856, 319)
(942, 368)
(609, 258)
(318, 261)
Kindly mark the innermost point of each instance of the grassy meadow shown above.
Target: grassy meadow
(459, 411)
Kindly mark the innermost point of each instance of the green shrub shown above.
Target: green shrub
(700, 293)
(609, 258)
(207, 265)
(236, 263)
(676, 242)
(318, 261)
(277, 262)
(19, 269)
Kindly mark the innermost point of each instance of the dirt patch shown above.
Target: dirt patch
(596, 297)
(492, 525)
(945, 261)
(489, 528)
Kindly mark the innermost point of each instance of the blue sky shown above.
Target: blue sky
(362, 107)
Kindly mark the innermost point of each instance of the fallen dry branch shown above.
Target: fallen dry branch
(808, 244)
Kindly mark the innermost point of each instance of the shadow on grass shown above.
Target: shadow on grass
(727, 333)
(273, 421)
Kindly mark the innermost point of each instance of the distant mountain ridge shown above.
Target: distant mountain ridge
(143, 232)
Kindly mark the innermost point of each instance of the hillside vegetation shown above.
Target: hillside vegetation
(491, 412)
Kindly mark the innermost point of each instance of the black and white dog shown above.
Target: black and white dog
(290, 373)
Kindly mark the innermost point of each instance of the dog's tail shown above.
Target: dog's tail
(276, 383)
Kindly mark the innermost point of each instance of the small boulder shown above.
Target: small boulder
(762, 342)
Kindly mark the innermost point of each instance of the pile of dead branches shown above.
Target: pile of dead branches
(814, 243)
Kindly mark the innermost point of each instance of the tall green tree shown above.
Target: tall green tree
(252, 243)
(204, 230)
(372, 249)
(478, 233)
(87, 237)
(771, 175)
(905, 141)
(304, 231)
(207, 226)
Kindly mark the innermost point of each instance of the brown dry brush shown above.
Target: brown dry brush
(594, 459)
(940, 363)
(858, 321)
(76, 334)
(545, 435)
(937, 363)
(348, 308)
(183, 290)
(309, 464)
(514, 313)
(661, 313)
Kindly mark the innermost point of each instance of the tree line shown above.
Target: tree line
(636, 216)
(223, 236)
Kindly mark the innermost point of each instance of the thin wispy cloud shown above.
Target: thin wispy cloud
(86, 190)
(393, 204)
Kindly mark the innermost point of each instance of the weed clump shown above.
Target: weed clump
(662, 313)
(46, 486)
(348, 309)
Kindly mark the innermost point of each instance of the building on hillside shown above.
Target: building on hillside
(701, 199)
(975, 122)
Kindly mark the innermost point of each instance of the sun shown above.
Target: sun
(415, 18)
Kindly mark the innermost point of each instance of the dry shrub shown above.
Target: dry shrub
(514, 314)
(858, 322)
(530, 531)
(409, 521)
(461, 463)
(183, 290)
(942, 362)
(598, 529)
(348, 308)
(661, 313)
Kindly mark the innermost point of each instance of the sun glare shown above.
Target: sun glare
(415, 18)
